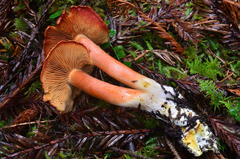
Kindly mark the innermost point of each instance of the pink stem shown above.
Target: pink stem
(102, 90)
(113, 67)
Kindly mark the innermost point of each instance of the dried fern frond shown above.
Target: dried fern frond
(23, 68)
(123, 7)
(229, 134)
(90, 129)
(21, 82)
(5, 11)
(228, 12)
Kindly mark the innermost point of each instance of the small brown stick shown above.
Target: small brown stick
(39, 121)
(215, 56)
(215, 156)
(174, 151)
(26, 123)
(228, 76)
(140, 56)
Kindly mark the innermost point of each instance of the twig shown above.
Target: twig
(26, 123)
(172, 148)
(227, 77)
(143, 54)
(215, 56)
(131, 153)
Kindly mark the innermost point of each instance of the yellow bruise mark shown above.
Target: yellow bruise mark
(146, 84)
(141, 99)
(191, 143)
(190, 140)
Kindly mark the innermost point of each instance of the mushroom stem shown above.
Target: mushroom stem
(110, 65)
(110, 93)
(119, 71)
(197, 138)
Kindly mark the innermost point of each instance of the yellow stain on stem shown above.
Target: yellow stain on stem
(190, 140)
(146, 84)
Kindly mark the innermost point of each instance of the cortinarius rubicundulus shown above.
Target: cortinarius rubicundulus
(71, 50)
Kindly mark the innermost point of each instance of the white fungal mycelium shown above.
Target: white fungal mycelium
(159, 100)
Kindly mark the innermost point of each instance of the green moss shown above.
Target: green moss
(20, 7)
(20, 24)
(209, 87)
(210, 68)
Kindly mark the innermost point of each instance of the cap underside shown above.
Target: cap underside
(62, 59)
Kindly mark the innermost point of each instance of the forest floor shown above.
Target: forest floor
(193, 46)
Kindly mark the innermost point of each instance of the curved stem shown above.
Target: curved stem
(119, 71)
(102, 90)
(198, 138)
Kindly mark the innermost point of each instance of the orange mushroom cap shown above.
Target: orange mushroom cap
(62, 59)
(81, 20)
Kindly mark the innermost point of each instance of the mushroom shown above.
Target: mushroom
(65, 72)
(66, 68)
(85, 26)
